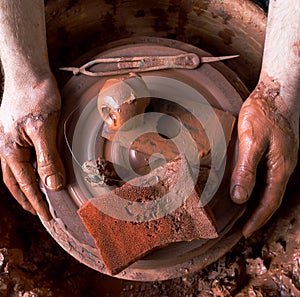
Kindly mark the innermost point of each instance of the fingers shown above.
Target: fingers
(270, 200)
(263, 133)
(50, 166)
(251, 150)
(24, 184)
(13, 187)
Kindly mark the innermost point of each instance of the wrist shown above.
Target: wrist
(26, 76)
(283, 95)
(282, 110)
(35, 95)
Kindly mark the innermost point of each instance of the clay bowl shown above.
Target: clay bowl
(86, 29)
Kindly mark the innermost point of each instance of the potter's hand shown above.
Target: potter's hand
(268, 134)
(269, 119)
(28, 121)
(30, 106)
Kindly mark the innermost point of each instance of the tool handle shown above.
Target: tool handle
(150, 63)
(124, 65)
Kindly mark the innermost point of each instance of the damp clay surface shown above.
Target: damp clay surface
(121, 242)
(266, 264)
(168, 128)
(100, 172)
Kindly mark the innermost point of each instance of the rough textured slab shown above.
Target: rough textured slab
(122, 242)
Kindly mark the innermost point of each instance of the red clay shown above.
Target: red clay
(121, 243)
(151, 143)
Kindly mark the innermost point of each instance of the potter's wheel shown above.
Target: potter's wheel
(82, 141)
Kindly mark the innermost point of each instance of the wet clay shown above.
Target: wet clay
(151, 143)
(118, 101)
(268, 136)
(121, 242)
(268, 97)
(101, 172)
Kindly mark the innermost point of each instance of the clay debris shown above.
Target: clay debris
(122, 242)
(101, 172)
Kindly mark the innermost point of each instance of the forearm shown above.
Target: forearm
(23, 50)
(281, 59)
(30, 106)
(268, 125)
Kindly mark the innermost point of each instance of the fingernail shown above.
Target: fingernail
(54, 181)
(239, 194)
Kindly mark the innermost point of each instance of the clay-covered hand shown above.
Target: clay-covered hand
(28, 121)
(268, 133)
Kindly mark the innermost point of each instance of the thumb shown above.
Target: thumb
(244, 174)
(50, 166)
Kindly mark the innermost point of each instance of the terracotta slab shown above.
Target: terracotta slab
(121, 242)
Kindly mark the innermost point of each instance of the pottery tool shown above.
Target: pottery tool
(124, 65)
